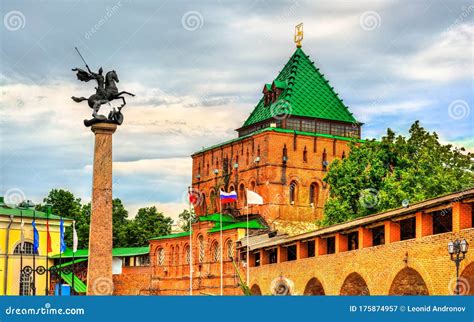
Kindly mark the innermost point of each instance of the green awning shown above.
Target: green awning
(253, 224)
(79, 285)
(116, 252)
(217, 218)
(79, 260)
(176, 235)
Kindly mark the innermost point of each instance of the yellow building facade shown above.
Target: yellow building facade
(15, 276)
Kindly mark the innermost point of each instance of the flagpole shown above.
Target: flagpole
(73, 254)
(47, 258)
(73, 259)
(190, 244)
(222, 263)
(34, 257)
(60, 253)
(22, 248)
(248, 246)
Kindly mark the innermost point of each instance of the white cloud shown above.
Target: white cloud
(445, 60)
(376, 109)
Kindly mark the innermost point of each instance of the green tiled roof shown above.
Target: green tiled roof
(307, 93)
(177, 235)
(253, 224)
(216, 217)
(6, 209)
(79, 285)
(116, 252)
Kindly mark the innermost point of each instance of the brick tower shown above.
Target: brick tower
(282, 151)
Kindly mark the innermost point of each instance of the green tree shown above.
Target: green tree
(184, 217)
(119, 223)
(379, 175)
(147, 223)
(64, 203)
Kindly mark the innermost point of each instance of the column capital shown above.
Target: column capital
(104, 128)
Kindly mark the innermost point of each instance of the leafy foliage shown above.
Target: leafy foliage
(380, 175)
(126, 232)
(185, 217)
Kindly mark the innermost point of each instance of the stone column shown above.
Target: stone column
(99, 270)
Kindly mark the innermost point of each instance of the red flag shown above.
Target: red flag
(193, 198)
(48, 238)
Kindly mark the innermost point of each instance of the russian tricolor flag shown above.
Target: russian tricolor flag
(228, 197)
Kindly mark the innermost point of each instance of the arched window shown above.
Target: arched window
(187, 252)
(176, 257)
(215, 252)
(293, 192)
(325, 160)
(204, 203)
(343, 155)
(26, 281)
(305, 155)
(172, 256)
(201, 248)
(313, 194)
(28, 249)
(229, 247)
(242, 196)
(285, 154)
(161, 257)
(212, 196)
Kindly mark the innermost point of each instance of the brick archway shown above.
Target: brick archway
(255, 290)
(466, 280)
(408, 282)
(354, 284)
(314, 287)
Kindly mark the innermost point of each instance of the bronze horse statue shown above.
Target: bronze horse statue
(105, 91)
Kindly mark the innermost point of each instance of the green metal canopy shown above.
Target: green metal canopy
(80, 260)
(116, 252)
(253, 224)
(306, 91)
(79, 285)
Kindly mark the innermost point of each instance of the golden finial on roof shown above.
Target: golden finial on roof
(298, 34)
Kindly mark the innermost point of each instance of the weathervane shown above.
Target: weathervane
(298, 35)
(106, 91)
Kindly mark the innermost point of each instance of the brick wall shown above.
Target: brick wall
(172, 277)
(269, 177)
(134, 280)
(416, 266)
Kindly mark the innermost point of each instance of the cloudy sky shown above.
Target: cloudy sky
(197, 69)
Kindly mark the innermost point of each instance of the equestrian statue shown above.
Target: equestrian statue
(106, 92)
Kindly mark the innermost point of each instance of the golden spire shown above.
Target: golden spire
(298, 35)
